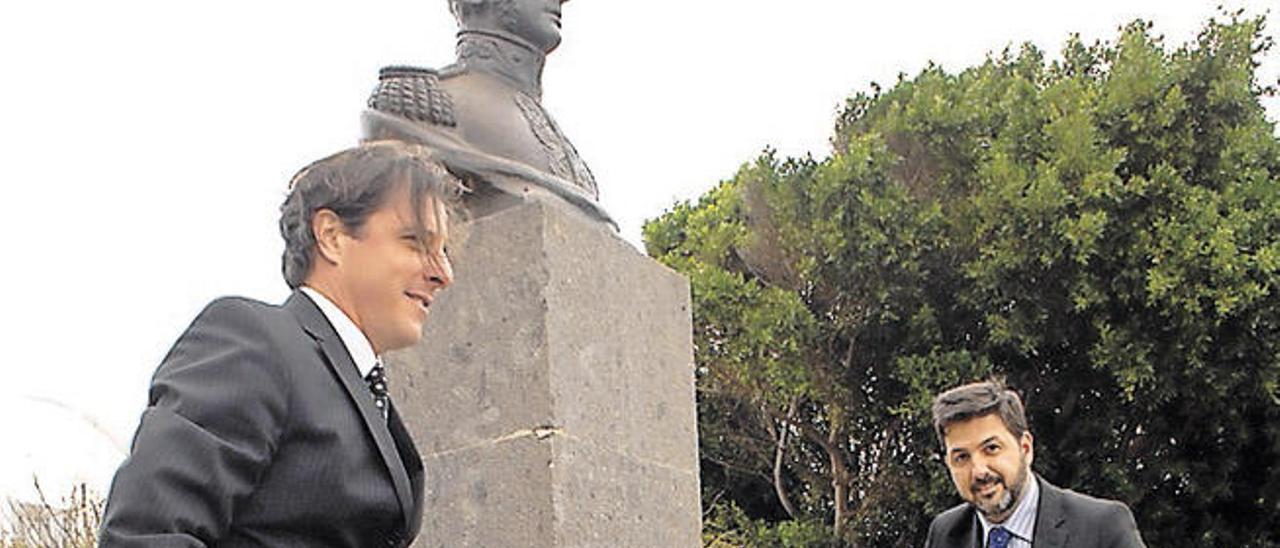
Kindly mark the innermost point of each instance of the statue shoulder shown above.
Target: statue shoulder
(414, 93)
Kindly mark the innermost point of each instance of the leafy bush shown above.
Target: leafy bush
(1102, 230)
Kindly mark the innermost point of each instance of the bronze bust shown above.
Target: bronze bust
(483, 115)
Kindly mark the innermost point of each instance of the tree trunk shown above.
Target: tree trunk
(832, 445)
(779, 455)
(839, 487)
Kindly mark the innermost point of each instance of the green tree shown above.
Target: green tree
(1101, 230)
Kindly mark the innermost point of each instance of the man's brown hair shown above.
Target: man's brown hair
(353, 184)
(977, 400)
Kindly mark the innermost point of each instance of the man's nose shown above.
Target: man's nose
(981, 468)
(439, 270)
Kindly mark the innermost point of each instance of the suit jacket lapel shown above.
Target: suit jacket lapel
(339, 360)
(1051, 530)
(412, 464)
(975, 540)
(965, 532)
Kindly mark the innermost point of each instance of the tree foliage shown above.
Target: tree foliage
(1102, 230)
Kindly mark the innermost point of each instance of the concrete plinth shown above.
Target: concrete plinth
(552, 395)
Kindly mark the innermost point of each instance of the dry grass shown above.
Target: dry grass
(72, 522)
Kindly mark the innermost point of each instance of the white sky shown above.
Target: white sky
(146, 145)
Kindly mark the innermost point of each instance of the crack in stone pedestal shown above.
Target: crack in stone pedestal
(543, 433)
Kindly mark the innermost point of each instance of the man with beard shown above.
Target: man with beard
(988, 450)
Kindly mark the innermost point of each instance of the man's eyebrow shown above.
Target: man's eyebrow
(980, 444)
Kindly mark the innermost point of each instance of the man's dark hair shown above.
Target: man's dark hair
(977, 400)
(353, 184)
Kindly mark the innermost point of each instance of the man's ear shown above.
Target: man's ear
(329, 232)
(1028, 445)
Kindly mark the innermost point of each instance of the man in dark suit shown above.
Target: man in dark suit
(270, 425)
(988, 450)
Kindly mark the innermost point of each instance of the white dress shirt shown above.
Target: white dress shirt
(357, 344)
(1022, 522)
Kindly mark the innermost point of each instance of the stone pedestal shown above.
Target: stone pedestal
(552, 394)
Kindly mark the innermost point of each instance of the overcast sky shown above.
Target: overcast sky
(146, 147)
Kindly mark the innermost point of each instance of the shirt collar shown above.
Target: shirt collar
(352, 338)
(1022, 522)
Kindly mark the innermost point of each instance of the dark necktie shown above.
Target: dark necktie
(998, 538)
(377, 379)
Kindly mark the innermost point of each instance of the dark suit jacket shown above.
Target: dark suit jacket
(1065, 518)
(260, 432)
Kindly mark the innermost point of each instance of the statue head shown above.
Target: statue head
(535, 23)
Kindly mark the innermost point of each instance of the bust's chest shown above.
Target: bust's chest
(510, 124)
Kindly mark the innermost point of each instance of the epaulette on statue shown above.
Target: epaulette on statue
(410, 105)
(413, 93)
